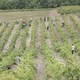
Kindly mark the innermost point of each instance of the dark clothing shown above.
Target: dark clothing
(73, 51)
(63, 24)
(47, 27)
(24, 24)
(47, 18)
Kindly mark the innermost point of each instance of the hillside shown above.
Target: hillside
(42, 49)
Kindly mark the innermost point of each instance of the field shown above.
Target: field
(43, 54)
(69, 9)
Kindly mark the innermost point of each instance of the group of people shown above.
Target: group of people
(47, 19)
(24, 22)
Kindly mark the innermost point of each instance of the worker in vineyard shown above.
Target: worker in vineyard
(4, 23)
(73, 49)
(44, 18)
(47, 18)
(30, 24)
(17, 21)
(54, 25)
(20, 19)
(17, 60)
(23, 23)
(63, 24)
(31, 19)
(40, 18)
(47, 27)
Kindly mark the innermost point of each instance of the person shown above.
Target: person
(17, 60)
(47, 18)
(63, 24)
(31, 20)
(20, 19)
(73, 49)
(54, 24)
(3, 23)
(30, 24)
(24, 23)
(47, 27)
(8, 67)
(17, 21)
(40, 18)
(44, 18)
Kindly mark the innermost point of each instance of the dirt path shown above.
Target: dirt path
(40, 65)
(6, 47)
(48, 41)
(28, 39)
(18, 42)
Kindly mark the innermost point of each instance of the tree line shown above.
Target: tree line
(30, 4)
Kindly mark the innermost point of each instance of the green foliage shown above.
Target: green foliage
(5, 38)
(7, 77)
(69, 9)
(54, 69)
(71, 72)
(30, 4)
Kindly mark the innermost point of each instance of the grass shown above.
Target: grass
(69, 9)
(12, 16)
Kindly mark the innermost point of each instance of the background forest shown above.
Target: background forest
(29, 4)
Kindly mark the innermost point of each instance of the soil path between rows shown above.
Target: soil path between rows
(40, 64)
(6, 47)
(28, 39)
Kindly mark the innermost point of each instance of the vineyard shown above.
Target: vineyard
(44, 54)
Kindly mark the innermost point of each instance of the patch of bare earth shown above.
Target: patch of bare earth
(18, 42)
(6, 47)
(40, 65)
(28, 39)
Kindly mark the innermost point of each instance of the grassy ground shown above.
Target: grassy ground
(12, 16)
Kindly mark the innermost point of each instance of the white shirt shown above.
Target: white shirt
(73, 47)
(31, 18)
